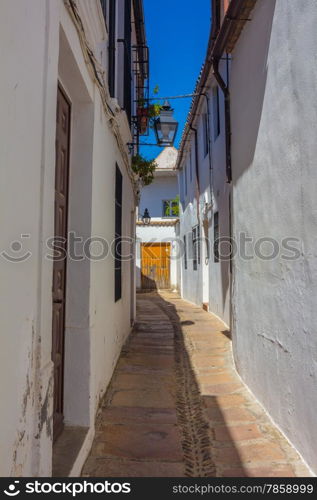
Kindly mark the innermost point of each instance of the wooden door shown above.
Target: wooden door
(59, 268)
(156, 265)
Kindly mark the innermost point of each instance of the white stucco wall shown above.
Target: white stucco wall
(163, 187)
(27, 154)
(152, 196)
(210, 283)
(39, 47)
(274, 150)
(191, 282)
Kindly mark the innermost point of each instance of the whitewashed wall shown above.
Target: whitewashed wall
(163, 187)
(28, 90)
(274, 150)
(210, 283)
(152, 196)
(42, 47)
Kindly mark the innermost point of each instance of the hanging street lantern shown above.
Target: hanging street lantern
(146, 219)
(165, 126)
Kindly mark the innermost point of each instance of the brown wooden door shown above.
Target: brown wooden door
(59, 269)
(156, 265)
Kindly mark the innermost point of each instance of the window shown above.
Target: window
(196, 247)
(185, 252)
(170, 208)
(216, 237)
(216, 112)
(206, 134)
(118, 237)
(112, 47)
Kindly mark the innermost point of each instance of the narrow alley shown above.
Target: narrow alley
(158, 244)
(176, 406)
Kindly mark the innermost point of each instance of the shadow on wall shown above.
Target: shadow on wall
(247, 98)
(195, 411)
(247, 105)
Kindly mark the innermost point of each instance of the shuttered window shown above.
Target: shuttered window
(216, 111)
(196, 247)
(216, 237)
(185, 252)
(206, 134)
(118, 237)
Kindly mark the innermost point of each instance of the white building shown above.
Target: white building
(157, 246)
(204, 201)
(252, 175)
(65, 55)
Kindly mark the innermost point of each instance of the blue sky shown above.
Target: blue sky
(177, 34)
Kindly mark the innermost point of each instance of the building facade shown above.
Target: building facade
(252, 126)
(72, 72)
(157, 239)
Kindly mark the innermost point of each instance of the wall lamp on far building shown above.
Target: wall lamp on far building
(146, 218)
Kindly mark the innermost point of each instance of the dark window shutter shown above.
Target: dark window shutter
(194, 249)
(216, 111)
(216, 237)
(198, 243)
(206, 138)
(196, 246)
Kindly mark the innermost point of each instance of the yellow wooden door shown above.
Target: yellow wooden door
(156, 265)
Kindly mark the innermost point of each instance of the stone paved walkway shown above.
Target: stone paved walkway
(176, 406)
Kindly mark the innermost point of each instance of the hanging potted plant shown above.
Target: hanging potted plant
(143, 116)
(146, 113)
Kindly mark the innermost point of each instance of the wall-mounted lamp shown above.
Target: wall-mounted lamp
(146, 219)
(165, 126)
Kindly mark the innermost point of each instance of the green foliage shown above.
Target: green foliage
(141, 102)
(172, 210)
(144, 168)
(154, 110)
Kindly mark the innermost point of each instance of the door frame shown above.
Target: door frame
(166, 244)
(58, 426)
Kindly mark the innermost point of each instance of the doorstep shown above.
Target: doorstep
(67, 449)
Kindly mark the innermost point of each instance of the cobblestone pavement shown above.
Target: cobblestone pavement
(176, 406)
